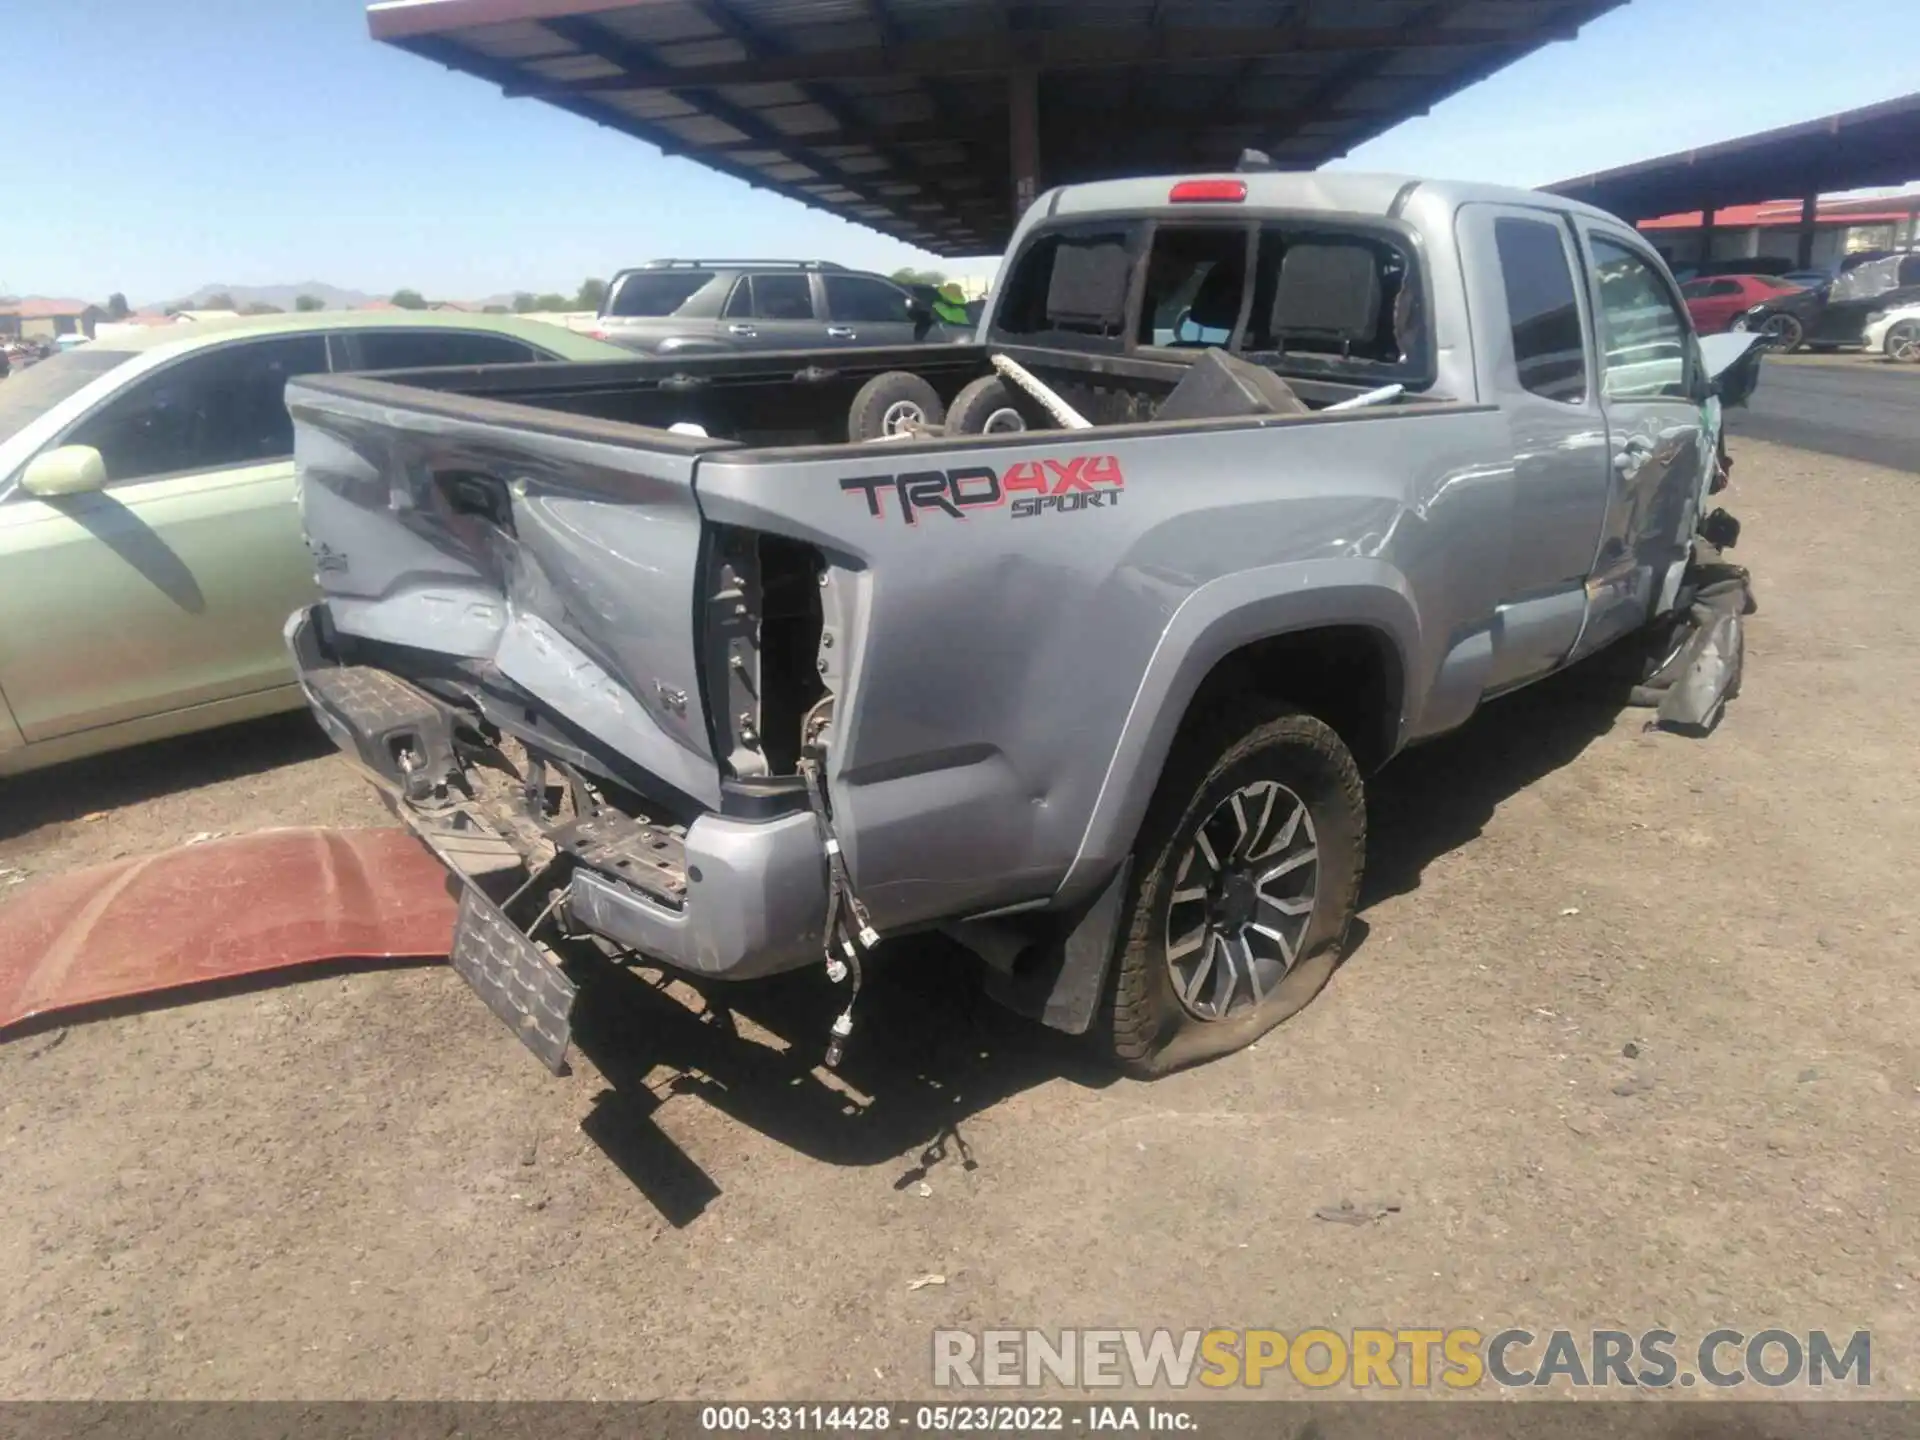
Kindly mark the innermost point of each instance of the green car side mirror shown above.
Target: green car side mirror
(68, 470)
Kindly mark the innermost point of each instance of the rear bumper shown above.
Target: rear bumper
(735, 899)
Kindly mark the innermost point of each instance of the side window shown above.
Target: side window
(654, 294)
(1643, 337)
(1548, 348)
(1725, 287)
(423, 349)
(781, 297)
(224, 406)
(855, 298)
(1195, 284)
(1697, 289)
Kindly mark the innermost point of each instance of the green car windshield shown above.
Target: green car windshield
(29, 393)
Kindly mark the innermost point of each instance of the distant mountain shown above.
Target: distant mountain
(283, 296)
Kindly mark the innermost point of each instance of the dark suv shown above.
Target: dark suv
(681, 306)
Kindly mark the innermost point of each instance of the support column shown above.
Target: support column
(1023, 119)
(1809, 212)
(1707, 214)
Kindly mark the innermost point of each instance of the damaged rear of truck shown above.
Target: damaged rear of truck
(651, 652)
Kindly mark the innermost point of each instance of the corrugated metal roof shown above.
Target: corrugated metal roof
(895, 113)
(1874, 145)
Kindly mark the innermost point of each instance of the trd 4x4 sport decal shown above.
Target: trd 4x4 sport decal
(1029, 488)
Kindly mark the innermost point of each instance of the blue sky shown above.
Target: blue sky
(152, 146)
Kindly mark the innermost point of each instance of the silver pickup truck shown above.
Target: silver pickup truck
(654, 652)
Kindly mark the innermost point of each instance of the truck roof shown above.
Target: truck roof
(1355, 192)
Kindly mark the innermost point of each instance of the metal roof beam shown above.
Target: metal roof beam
(963, 132)
(1053, 50)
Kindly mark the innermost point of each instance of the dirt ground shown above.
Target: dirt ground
(362, 1186)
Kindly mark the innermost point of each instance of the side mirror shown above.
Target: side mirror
(68, 470)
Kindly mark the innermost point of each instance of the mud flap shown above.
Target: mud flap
(519, 984)
(1063, 990)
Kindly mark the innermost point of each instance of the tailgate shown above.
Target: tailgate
(551, 547)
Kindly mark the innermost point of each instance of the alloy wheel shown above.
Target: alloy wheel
(900, 416)
(1782, 332)
(1243, 901)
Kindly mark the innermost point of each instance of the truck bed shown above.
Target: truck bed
(778, 400)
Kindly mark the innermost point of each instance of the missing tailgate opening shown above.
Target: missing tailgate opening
(789, 647)
(763, 638)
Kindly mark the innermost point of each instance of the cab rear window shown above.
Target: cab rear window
(1070, 287)
(1304, 298)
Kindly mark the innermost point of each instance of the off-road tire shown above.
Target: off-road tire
(880, 405)
(990, 400)
(1142, 1025)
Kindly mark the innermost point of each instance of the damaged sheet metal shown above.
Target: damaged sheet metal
(1690, 689)
(218, 911)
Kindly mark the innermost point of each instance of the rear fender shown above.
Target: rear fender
(1216, 620)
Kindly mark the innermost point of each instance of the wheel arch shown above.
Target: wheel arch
(1340, 639)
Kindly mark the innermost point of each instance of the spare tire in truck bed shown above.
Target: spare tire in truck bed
(891, 402)
(990, 406)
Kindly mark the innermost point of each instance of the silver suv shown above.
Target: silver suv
(682, 306)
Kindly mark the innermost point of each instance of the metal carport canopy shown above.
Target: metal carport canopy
(935, 121)
(1855, 149)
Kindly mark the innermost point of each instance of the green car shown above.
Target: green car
(150, 544)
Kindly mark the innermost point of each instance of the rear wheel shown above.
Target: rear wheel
(1247, 877)
(1782, 333)
(1903, 342)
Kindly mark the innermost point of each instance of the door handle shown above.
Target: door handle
(742, 330)
(842, 332)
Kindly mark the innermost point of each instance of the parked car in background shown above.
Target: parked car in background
(1895, 333)
(670, 307)
(1837, 315)
(1739, 265)
(1713, 301)
(1808, 279)
(149, 544)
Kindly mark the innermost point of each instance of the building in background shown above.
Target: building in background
(1772, 230)
(48, 319)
